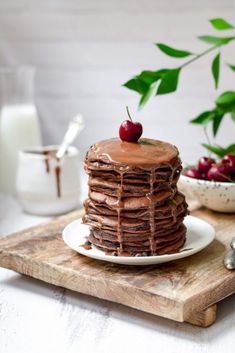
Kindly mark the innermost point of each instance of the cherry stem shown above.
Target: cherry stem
(128, 113)
(226, 177)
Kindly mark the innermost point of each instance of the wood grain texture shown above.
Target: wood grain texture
(183, 290)
(203, 318)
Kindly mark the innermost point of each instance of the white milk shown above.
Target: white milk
(19, 129)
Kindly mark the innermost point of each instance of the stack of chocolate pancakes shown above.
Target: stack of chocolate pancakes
(134, 207)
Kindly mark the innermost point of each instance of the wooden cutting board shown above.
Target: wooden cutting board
(184, 290)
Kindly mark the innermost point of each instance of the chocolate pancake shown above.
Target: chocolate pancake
(133, 205)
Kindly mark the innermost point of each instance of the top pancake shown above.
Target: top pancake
(146, 153)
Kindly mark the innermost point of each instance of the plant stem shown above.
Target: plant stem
(128, 113)
(207, 138)
(200, 55)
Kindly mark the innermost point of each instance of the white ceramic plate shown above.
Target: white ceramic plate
(199, 235)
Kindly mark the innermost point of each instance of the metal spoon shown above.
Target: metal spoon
(76, 125)
(229, 258)
(232, 244)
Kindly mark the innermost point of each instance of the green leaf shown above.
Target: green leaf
(151, 76)
(169, 81)
(145, 97)
(226, 99)
(204, 118)
(135, 84)
(216, 123)
(176, 53)
(215, 116)
(233, 116)
(145, 83)
(220, 24)
(230, 149)
(215, 68)
(219, 151)
(232, 67)
(142, 82)
(216, 40)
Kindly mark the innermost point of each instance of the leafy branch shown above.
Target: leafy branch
(167, 79)
(225, 103)
(164, 81)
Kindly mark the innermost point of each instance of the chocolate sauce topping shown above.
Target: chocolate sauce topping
(146, 152)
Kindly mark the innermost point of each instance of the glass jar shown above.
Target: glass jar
(19, 123)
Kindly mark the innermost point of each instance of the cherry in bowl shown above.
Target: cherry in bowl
(204, 164)
(218, 172)
(229, 162)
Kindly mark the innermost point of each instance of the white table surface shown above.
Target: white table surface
(36, 317)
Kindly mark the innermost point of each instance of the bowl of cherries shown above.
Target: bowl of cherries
(212, 182)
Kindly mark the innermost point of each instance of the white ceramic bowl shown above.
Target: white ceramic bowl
(217, 196)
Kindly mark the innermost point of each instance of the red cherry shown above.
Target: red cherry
(130, 131)
(204, 164)
(218, 172)
(203, 176)
(193, 173)
(229, 162)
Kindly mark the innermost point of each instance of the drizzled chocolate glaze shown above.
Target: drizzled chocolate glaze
(146, 153)
(126, 178)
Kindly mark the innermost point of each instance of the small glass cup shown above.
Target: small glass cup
(45, 185)
(19, 122)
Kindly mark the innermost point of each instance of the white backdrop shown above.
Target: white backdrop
(85, 49)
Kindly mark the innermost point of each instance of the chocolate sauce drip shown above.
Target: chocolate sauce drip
(174, 207)
(100, 238)
(119, 210)
(47, 164)
(86, 246)
(174, 211)
(58, 177)
(152, 243)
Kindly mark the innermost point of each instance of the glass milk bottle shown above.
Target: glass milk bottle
(19, 124)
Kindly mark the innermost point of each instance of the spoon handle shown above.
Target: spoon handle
(232, 244)
(75, 127)
(229, 260)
